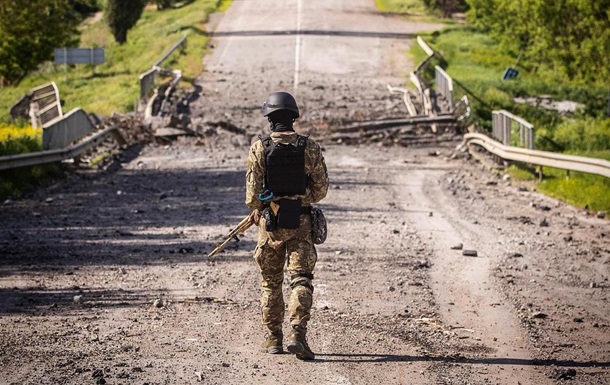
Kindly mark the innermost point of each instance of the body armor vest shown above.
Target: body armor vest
(285, 166)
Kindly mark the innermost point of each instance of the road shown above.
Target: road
(333, 56)
(104, 276)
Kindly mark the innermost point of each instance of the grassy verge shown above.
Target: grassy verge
(17, 139)
(476, 65)
(578, 189)
(113, 86)
(109, 87)
(403, 7)
(412, 10)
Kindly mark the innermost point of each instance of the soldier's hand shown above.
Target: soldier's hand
(255, 217)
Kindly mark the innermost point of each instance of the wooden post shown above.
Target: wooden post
(540, 174)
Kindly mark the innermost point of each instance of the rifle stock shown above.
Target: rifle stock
(240, 228)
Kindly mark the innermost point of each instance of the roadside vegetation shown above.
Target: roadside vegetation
(17, 139)
(403, 7)
(477, 53)
(106, 88)
(113, 86)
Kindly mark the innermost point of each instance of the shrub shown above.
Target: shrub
(18, 139)
(586, 135)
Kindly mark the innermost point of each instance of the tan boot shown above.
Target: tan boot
(297, 344)
(273, 343)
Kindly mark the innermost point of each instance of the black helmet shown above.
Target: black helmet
(280, 101)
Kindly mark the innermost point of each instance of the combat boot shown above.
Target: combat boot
(297, 344)
(273, 343)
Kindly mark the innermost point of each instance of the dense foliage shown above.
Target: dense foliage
(29, 32)
(166, 4)
(18, 139)
(447, 7)
(122, 15)
(569, 38)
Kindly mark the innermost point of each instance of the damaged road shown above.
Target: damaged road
(436, 270)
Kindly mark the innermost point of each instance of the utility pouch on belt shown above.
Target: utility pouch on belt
(289, 215)
(270, 219)
(319, 230)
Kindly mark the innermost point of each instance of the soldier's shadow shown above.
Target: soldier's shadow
(376, 358)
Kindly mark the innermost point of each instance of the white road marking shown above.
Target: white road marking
(297, 50)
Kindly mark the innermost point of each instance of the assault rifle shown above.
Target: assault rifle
(240, 228)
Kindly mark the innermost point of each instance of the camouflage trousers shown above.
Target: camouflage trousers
(295, 249)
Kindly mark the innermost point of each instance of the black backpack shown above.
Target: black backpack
(285, 166)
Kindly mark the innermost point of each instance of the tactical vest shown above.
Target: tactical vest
(285, 166)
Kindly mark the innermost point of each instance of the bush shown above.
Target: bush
(497, 99)
(586, 135)
(19, 139)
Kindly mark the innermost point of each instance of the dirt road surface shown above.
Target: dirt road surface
(436, 270)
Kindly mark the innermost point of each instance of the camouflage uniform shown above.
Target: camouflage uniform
(293, 247)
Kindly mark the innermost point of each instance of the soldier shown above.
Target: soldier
(285, 174)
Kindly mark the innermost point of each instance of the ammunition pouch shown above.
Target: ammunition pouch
(270, 219)
(289, 214)
(319, 229)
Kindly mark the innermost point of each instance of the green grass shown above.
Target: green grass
(576, 188)
(113, 86)
(107, 88)
(18, 139)
(581, 190)
(405, 7)
(411, 10)
(476, 64)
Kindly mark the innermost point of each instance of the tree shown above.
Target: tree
(122, 15)
(84, 7)
(571, 38)
(163, 4)
(447, 7)
(30, 30)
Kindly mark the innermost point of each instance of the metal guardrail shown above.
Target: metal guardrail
(540, 158)
(181, 42)
(429, 51)
(43, 157)
(147, 79)
(41, 105)
(147, 82)
(60, 131)
(503, 123)
(444, 84)
(406, 97)
(424, 96)
(462, 109)
(415, 78)
(63, 131)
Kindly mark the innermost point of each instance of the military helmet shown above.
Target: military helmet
(280, 101)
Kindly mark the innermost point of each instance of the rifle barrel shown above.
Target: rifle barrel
(240, 228)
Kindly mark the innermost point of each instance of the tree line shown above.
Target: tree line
(30, 30)
(571, 38)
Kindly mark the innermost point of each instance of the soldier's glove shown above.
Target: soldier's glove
(255, 217)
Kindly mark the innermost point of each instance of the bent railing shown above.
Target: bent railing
(540, 158)
(503, 123)
(43, 157)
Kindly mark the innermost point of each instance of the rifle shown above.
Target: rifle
(240, 228)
